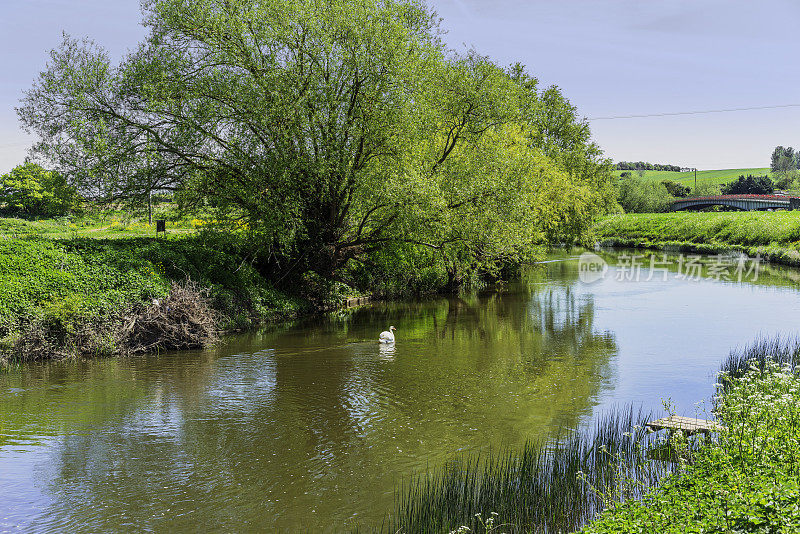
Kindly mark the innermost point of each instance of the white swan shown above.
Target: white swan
(387, 336)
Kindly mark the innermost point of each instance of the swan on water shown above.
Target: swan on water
(387, 336)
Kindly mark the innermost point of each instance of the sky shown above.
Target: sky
(611, 58)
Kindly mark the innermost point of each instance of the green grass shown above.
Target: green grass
(65, 283)
(95, 228)
(773, 235)
(713, 177)
(746, 481)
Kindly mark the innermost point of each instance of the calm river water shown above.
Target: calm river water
(311, 426)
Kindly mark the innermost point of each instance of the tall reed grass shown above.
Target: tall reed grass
(780, 350)
(552, 486)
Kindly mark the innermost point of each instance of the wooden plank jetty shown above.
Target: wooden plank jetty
(689, 425)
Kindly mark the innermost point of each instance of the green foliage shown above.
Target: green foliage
(643, 165)
(61, 285)
(400, 270)
(785, 164)
(784, 159)
(707, 189)
(638, 195)
(675, 189)
(747, 481)
(42, 275)
(788, 180)
(327, 131)
(749, 185)
(31, 191)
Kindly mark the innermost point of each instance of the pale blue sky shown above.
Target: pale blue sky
(611, 58)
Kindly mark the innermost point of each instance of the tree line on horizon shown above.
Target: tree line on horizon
(645, 166)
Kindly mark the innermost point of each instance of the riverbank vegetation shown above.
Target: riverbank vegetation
(616, 477)
(65, 297)
(744, 481)
(774, 236)
(765, 352)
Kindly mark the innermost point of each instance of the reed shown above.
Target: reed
(782, 351)
(551, 486)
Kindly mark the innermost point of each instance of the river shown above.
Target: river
(310, 426)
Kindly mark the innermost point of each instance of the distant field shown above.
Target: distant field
(721, 176)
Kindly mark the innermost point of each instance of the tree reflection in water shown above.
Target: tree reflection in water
(313, 425)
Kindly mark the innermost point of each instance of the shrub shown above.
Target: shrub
(637, 195)
(750, 185)
(31, 191)
(675, 189)
(708, 190)
(788, 180)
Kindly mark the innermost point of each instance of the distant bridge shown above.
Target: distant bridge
(739, 202)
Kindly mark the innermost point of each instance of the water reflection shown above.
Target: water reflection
(386, 351)
(311, 425)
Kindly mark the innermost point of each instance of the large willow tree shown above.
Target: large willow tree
(330, 129)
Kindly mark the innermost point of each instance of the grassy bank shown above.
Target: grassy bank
(775, 236)
(746, 481)
(65, 297)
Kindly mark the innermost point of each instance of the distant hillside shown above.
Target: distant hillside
(721, 176)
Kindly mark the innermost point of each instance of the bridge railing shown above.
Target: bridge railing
(738, 197)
